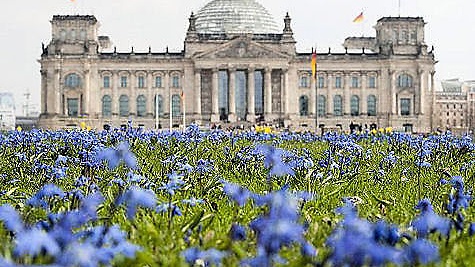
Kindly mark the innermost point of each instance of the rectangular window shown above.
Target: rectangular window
(106, 82)
(158, 81)
(321, 82)
(355, 82)
(123, 81)
(175, 81)
(372, 82)
(338, 82)
(73, 107)
(141, 82)
(304, 81)
(405, 106)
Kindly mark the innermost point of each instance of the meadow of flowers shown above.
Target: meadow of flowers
(130, 197)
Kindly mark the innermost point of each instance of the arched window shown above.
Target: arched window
(371, 105)
(158, 100)
(124, 106)
(176, 103)
(337, 105)
(355, 105)
(404, 81)
(141, 106)
(303, 105)
(72, 80)
(322, 105)
(106, 106)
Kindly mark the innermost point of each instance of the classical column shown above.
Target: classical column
(133, 94)
(214, 97)
(285, 92)
(150, 95)
(347, 95)
(392, 75)
(364, 96)
(232, 95)
(267, 92)
(197, 94)
(422, 89)
(87, 92)
(114, 93)
(167, 99)
(44, 91)
(312, 96)
(251, 95)
(57, 92)
(329, 94)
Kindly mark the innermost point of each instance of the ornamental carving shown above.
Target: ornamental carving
(243, 49)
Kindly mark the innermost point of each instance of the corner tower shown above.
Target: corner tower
(401, 35)
(73, 34)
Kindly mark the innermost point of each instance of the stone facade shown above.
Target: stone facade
(455, 106)
(239, 78)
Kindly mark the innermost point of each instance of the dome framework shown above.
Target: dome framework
(235, 17)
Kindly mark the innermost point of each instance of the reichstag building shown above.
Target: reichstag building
(238, 66)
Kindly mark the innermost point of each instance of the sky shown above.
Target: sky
(162, 23)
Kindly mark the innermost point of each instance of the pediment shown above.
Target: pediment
(241, 48)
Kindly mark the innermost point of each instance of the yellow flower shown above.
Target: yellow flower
(82, 125)
(381, 130)
(267, 130)
(389, 129)
(18, 128)
(88, 128)
(374, 131)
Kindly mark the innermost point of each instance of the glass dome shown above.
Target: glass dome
(234, 16)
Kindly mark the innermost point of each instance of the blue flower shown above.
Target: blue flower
(428, 221)
(471, 229)
(10, 218)
(421, 251)
(236, 192)
(32, 242)
(237, 232)
(135, 197)
(192, 201)
(273, 160)
(210, 257)
(114, 156)
(175, 182)
(46, 192)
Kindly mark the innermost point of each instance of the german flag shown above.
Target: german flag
(359, 18)
(314, 63)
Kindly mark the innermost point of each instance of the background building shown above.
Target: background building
(7, 112)
(455, 106)
(237, 67)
